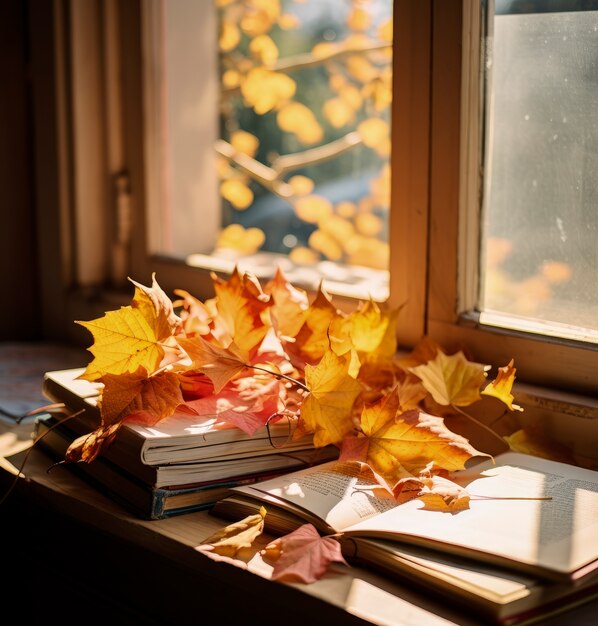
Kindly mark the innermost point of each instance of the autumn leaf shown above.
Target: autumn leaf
(303, 555)
(195, 316)
(149, 399)
(398, 446)
(242, 312)
(314, 338)
(289, 305)
(441, 494)
(124, 340)
(502, 385)
(231, 539)
(327, 410)
(452, 380)
(87, 447)
(248, 408)
(218, 363)
(155, 304)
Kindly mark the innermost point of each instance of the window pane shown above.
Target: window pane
(540, 227)
(301, 126)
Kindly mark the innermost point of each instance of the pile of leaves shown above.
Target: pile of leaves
(251, 355)
(254, 354)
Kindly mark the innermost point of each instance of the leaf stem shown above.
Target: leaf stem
(480, 424)
(19, 473)
(280, 375)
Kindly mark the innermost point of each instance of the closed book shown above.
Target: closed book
(140, 498)
(180, 438)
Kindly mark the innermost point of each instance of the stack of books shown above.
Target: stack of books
(526, 548)
(184, 463)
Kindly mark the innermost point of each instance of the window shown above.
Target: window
(438, 199)
(294, 101)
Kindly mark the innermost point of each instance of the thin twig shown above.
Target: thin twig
(280, 375)
(26, 457)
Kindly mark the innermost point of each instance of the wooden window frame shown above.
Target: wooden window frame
(436, 134)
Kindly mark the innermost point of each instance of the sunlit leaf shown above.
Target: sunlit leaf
(361, 69)
(398, 445)
(385, 30)
(302, 555)
(218, 363)
(231, 539)
(502, 386)
(313, 209)
(326, 244)
(303, 256)
(327, 410)
(264, 49)
(374, 131)
(264, 89)
(368, 224)
(230, 36)
(124, 340)
(301, 185)
(244, 142)
(288, 21)
(452, 379)
(290, 304)
(338, 112)
(536, 442)
(237, 193)
(441, 494)
(242, 312)
(241, 240)
(345, 209)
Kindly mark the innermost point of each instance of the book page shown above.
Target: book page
(334, 492)
(560, 533)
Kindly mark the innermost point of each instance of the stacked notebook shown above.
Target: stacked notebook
(185, 463)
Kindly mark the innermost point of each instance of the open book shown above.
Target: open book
(181, 438)
(510, 525)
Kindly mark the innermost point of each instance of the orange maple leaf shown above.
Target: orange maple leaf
(452, 379)
(315, 335)
(218, 363)
(242, 307)
(502, 385)
(288, 310)
(327, 410)
(302, 555)
(148, 399)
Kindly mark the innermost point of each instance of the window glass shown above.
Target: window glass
(299, 156)
(540, 226)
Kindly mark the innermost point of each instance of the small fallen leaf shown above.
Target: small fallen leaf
(231, 539)
(303, 555)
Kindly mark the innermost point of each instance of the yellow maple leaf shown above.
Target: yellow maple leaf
(373, 331)
(401, 445)
(313, 208)
(452, 379)
(156, 306)
(264, 89)
(441, 494)
(124, 340)
(327, 410)
(237, 193)
(315, 337)
(231, 539)
(502, 385)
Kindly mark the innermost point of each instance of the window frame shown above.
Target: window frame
(435, 196)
